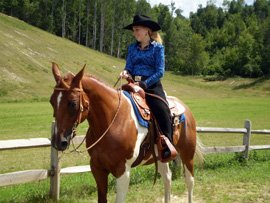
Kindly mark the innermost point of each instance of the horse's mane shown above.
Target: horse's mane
(70, 76)
(91, 76)
(97, 79)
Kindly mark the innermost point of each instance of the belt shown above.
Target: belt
(138, 78)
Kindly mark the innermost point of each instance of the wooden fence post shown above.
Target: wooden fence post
(54, 171)
(246, 138)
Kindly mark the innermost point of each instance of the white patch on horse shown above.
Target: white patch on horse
(189, 179)
(59, 99)
(57, 107)
(122, 184)
(142, 132)
(166, 174)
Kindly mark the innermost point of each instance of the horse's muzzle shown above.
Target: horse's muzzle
(63, 144)
(63, 141)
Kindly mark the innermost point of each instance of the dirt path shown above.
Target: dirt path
(182, 199)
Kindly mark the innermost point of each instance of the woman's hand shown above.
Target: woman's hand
(124, 74)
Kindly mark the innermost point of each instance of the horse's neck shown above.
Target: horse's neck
(103, 101)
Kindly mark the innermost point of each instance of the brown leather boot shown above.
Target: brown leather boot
(166, 150)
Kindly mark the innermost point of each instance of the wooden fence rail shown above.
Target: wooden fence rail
(245, 148)
(55, 170)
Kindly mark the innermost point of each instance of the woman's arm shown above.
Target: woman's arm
(159, 66)
(129, 66)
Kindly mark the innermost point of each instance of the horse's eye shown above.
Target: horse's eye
(72, 105)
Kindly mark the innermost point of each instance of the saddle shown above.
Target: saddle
(138, 95)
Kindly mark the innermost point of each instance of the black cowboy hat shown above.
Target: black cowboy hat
(143, 20)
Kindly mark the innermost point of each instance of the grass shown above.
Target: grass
(245, 181)
(27, 120)
(26, 56)
(26, 83)
(227, 173)
(223, 178)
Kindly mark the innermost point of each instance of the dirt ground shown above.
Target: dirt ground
(181, 199)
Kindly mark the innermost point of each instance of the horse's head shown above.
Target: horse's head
(70, 106)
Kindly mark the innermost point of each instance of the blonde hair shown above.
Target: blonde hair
(155, 36)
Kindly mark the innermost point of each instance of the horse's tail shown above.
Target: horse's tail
(199, 154)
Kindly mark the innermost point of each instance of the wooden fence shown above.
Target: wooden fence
(55, 170)
(245, 148)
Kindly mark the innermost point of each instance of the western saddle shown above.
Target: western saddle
(154, 136)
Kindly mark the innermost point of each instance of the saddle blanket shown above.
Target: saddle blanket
(142, 122)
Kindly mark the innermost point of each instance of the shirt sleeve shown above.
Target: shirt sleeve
(159, 66)
(129, 66)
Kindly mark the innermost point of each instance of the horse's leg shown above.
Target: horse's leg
(101, 177)
(187, 151)
(189, 179)
(122, 184)
(166, 174)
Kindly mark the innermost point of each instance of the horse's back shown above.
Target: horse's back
(185, 133)
(183, 108)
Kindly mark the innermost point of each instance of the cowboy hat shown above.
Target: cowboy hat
(143, 20)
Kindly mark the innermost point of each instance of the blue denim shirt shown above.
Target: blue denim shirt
(148, 62)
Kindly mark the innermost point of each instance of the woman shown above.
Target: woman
(145, 63)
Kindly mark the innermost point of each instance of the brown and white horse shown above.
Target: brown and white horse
(114, 137)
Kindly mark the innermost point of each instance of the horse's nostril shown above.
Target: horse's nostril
(64, 145)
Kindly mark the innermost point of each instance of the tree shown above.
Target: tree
(249, 59)
(63, 12)
(169, 33)
(197, 57)
(143, 7)
(236, 6)
(112, 28)
(266, 48)
(224, 41)
(206, 19)
(261, 9)
(87, 23)
(79, 24)
(102, 25)
(94, 40)
(179, 12)
(123, 37)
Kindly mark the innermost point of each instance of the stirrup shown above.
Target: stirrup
(165, 144)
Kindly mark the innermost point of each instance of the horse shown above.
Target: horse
(114, 137)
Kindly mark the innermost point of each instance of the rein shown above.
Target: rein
(158, 97)
(116, 113)
(79, 120)
(130, 79)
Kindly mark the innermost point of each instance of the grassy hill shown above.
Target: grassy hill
(26, 56)
(27, 53)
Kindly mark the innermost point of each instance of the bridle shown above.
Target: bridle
(81, 110)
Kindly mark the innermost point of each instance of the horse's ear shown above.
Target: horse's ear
(77, 79)
(56, 72)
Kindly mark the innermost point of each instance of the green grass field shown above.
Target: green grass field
(234, 180)
(26, 83)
